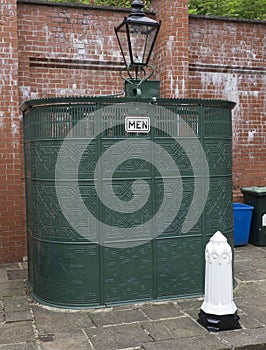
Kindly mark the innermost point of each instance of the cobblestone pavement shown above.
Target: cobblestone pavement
(171, 325)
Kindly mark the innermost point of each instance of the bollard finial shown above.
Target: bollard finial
(218, 237)
(218, 311)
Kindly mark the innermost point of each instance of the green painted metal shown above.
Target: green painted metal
(149, 88)
(67, 270)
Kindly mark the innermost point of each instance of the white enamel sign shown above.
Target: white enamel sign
(137, 124)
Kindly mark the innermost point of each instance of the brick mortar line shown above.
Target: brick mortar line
(196, 67)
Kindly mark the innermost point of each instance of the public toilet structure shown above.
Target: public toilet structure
(123, 193)
(71, 269)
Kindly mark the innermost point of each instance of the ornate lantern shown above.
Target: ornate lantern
(136, 36)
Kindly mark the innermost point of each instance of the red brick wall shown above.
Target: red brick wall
(12, 223)
(75, 49)
(67, 50)
(49, 50)
(227, 60)
(171, 54)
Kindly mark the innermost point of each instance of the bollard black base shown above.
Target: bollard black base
(217, 323)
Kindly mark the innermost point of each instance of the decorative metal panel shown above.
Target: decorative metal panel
(68, 267)
(180, 266)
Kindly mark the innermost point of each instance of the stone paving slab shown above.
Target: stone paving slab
(248, 321)
(249, 252)
(3, 275)
(249, 263)
(193, 313)
(117, 317)
(67, 343)
(13, 288)
(16, 303)
(16, 308)
(251, 289)
(190, 304)
(254, 307)
(157, 330)
(195, 343)
(59, 322)
(251, 338)
(250, 271)
(17, 316)
(258, 262)
(161, 310)
(17, 274)
(181, 327)
(118, 337)
(16, 332)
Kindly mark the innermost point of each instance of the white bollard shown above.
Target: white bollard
(218, 311)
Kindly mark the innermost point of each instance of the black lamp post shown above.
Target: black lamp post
(136, 36)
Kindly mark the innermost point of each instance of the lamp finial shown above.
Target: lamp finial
(137, 8)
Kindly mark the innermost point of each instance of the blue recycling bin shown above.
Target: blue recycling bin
(242, 221)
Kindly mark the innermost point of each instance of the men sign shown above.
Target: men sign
(137, 124)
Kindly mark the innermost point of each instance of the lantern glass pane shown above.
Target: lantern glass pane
(142, 38)
(123, 42)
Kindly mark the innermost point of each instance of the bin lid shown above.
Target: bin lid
(258, 191)
(241, 206)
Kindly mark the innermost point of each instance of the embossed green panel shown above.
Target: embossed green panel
(128, 274)
(180, 257)
(66, 272)
(67, 268)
